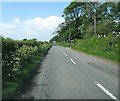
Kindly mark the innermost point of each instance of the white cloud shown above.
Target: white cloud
(38, 28)
(16, 20)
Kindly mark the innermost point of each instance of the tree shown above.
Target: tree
(104, 27)
(83, 19)
(55, 38)
(114, 15)
(72, 14)
(91, 11)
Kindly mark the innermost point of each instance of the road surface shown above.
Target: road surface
(68, 74)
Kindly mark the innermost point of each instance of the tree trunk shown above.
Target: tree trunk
(94, 20)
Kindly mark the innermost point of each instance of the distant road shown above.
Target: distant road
(68, 74)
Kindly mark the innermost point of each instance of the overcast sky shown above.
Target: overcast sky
(31, 19)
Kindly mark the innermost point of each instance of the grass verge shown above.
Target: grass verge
(101, 47)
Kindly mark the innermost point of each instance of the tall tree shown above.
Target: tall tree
(91, 10)
(72, 13)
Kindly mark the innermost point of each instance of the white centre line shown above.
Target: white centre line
(64, 53)
(106, 91)
(61, 50)
(72, 61)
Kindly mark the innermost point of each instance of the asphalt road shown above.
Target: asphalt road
(68, 74)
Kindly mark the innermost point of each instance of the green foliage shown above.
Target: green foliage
(55, 38)
(84, 19)
(20, 59)
(106, 47)
(105, 27)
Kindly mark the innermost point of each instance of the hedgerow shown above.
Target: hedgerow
(19, 60)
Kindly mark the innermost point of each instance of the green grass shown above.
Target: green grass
(97, 46)
(10, 89)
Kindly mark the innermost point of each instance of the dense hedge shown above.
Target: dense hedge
(19, 60)
(107, 47)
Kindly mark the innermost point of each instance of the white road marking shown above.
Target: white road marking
(106, 91)
(64, 53)
(60, 49)
(72, 61)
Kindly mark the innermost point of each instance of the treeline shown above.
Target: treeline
(19, 60)
(84, 19)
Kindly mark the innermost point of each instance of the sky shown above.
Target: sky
(30, 20)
